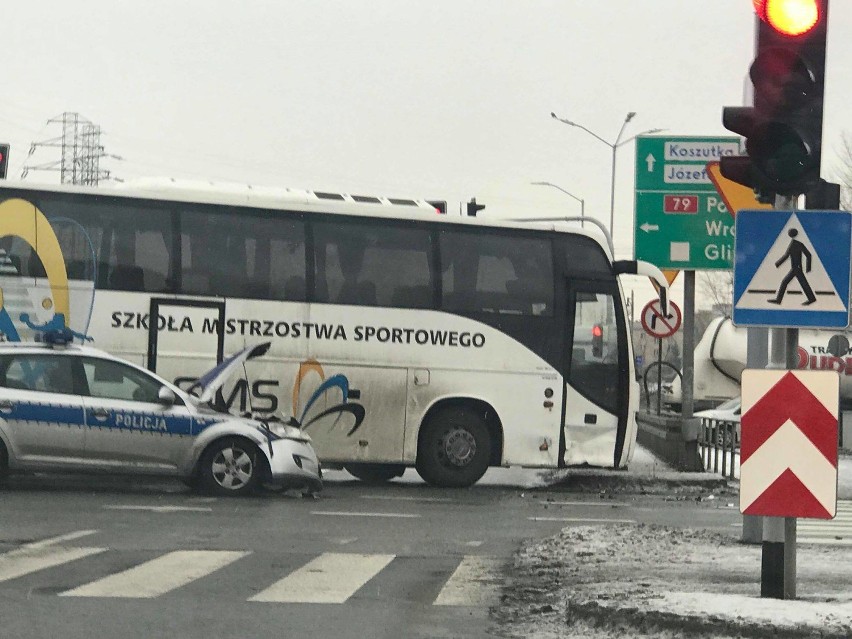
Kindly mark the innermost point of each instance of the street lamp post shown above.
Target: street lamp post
(614, 146)
(579, 199)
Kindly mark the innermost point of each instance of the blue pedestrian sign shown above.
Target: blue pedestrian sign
(792, 268)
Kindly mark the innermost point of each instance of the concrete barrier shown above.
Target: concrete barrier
(672, 439)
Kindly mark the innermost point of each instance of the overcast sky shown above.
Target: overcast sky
(445, 99)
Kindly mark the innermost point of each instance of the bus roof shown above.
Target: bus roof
(280, 198)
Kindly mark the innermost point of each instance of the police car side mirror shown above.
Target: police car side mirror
(166, 396)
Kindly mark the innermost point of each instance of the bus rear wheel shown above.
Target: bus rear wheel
(375, 473)
(454, 448)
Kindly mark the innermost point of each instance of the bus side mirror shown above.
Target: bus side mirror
(664, 302)
(638, 267)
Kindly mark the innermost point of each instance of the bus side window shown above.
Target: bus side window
(127, 278)
(284, 276)
(497, 273)
(595, 362)
(374, 265)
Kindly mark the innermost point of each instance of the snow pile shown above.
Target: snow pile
(638, 579)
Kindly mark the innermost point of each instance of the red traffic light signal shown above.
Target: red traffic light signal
(440, 206)
(783, 129)
(597, 340)
(789, 17)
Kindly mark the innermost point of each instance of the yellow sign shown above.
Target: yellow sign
(736, 196)
(670, 274)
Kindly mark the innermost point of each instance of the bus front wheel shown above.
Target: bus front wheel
(454, 448)
(375, 473)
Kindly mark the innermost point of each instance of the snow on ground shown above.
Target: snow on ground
(654, 581)
(628, 580)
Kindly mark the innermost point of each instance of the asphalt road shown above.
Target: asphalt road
(113, 557)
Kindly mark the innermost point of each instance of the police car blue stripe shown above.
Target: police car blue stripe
(118, 419)
(143, 421)
(43, 412)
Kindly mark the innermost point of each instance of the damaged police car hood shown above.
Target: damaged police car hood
(213, 379)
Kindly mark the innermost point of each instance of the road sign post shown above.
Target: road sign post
(792, 268)
(681, 221)
(788, 459)
(659, 324)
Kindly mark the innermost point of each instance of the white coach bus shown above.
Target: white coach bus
(399, 337)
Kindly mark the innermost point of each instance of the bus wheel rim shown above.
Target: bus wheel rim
(459, 447)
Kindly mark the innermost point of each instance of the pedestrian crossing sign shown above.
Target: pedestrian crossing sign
(792, 268)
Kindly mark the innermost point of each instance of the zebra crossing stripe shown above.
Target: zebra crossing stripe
(329, 578)
(158, 576)
(476, 582)
(43, 554)
(835, 532)
(77, 534)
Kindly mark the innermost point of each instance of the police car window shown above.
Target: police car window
(42, 373)
(112, 380)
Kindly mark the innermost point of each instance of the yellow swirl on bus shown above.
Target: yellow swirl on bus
(22, 219)
(305, 367)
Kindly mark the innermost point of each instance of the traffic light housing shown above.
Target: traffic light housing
(473, 207)
(597, 340)
(440, 206)
(783, 128)
(4, 160)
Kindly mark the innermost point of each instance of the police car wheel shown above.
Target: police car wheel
(230, 467)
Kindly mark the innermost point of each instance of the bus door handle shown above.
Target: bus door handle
(6, 406)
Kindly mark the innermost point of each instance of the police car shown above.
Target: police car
(74, 408)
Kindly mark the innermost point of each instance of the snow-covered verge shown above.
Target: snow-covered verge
(654, 581)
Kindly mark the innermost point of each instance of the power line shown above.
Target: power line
(80, 151)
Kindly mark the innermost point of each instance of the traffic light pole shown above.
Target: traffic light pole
(778, 556)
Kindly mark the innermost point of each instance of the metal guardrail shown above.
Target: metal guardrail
(719, 447)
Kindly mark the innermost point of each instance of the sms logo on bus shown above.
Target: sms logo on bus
(339, 382)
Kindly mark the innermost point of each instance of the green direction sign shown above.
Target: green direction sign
(681, 221)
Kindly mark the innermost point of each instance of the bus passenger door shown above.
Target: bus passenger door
(597, 384)
(186, 338)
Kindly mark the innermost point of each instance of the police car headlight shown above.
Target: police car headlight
(285, 431)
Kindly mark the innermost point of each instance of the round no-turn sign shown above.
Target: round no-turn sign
(658, 324)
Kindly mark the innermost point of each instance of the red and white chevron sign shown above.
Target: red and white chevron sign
(788, 449)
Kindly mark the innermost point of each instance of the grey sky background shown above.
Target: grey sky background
(440, 99)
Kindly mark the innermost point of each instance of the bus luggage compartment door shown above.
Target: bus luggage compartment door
(367, 423)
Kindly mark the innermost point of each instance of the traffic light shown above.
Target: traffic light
(473, 207)
(783, 130)
(824, 196)
(4, 160)
(440, 206)
(597, 340)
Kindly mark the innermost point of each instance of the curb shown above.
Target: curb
(649, 622)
